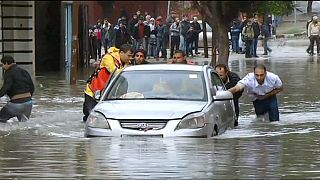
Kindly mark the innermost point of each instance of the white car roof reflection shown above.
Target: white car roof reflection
(185, 67)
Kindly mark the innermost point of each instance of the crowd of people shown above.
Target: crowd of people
(152, 34)
(250, 31)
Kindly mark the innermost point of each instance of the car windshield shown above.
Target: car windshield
(156, 84)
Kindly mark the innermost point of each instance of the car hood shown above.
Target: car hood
(148, 109)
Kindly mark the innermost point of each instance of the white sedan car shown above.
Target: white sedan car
(209, 35)
(163, 100)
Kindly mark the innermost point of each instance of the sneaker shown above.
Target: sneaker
(255, 56)
(265, 54)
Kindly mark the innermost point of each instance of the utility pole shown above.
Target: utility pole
(75, 44)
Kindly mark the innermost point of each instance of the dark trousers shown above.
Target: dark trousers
(236, 106)
(196, 44)
(254, 47)
(99, 45)
(269, 105)
(314, 38)
(248, 45)
(235, 44)
(175, 42)
(88, 105)
(161, 46)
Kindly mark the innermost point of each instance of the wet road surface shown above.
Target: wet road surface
(51, 144)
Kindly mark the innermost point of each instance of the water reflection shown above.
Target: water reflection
(51, 143)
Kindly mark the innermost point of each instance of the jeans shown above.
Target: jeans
(182, 45)
(235, 44)
(152, 47)
(265, 45)
(161, 46)
(269, 105)
(253, 47)
(20, 110)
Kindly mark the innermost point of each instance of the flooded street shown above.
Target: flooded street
(52, 144)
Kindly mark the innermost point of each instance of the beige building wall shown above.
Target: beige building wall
(18, 32)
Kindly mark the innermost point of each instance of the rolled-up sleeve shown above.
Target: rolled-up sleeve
(278, 82)
(244, 82)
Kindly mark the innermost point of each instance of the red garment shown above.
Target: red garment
(141, 30)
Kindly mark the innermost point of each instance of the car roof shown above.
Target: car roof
(185, 67)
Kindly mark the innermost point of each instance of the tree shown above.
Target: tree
(220, 14)
(309, 7)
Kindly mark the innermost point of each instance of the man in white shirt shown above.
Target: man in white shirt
(262, 87)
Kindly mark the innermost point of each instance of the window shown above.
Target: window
(217, 83)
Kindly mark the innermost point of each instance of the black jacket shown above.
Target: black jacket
(16, 81)
(233, 80)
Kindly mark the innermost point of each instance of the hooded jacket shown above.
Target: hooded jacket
(111, 62)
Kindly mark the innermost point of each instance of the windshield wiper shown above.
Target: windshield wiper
(157, 98)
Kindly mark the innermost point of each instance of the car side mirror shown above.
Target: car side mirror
(223, 96)
(97, 95)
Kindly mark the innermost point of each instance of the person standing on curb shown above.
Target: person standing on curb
(313, 34)
(262, 87)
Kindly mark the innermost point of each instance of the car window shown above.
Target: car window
(178, 85)
(216, 82)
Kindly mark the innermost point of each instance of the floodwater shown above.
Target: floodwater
(51, 144)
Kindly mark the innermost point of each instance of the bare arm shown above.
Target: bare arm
(271, 93)
(235, 89)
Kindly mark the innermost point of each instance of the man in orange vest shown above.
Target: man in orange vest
(114, 60)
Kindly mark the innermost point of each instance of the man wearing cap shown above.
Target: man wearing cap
(313, 34)
(19, 87)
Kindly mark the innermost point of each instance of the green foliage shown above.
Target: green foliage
(278, 8)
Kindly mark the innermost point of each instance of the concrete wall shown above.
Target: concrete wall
(17, 37)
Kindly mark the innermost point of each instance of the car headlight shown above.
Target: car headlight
(97, 120)
(192, 121)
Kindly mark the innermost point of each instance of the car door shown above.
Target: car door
(224, 108)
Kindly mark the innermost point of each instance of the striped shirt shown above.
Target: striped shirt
(272, 81)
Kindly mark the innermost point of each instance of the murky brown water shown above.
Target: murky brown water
(51, 143)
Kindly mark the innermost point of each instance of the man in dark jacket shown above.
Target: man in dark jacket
(230, 79)
(141, 31)
(256, 32)
(19, 87)
(197, 28)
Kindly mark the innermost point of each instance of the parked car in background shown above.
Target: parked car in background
(209, 35)
(163, 100)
